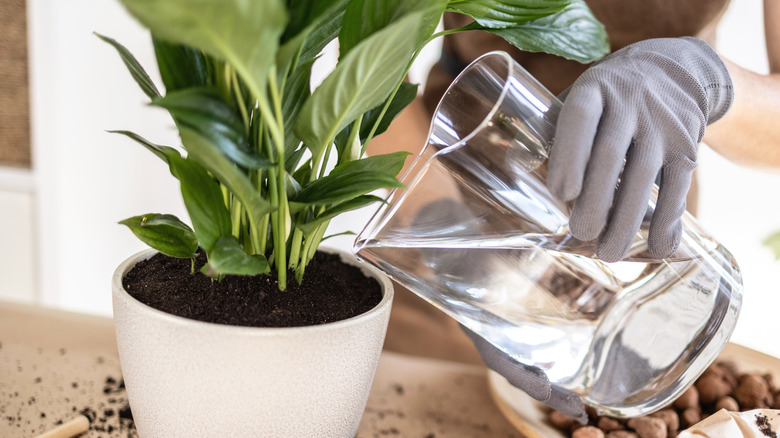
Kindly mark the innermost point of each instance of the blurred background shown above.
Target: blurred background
(65, 182)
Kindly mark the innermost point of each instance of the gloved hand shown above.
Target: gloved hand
(532, 380)
(646, 105)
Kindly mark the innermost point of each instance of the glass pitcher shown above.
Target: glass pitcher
(476, 233)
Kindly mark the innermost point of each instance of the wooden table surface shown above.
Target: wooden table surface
(55, 365)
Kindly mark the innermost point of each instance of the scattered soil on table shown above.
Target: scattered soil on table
(721, 386)
(331, 291)
(104, 417)
(29, 410)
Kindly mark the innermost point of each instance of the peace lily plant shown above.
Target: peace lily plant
(256, 140)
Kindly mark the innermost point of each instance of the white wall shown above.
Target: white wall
(17, 234)
(86, 180)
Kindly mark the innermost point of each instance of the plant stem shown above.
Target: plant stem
(295, 248)
(236, 214)
(240, 101)
(278, 185)
(223, 80)
(276, 223)
(247, 238)
(442, 33)
(259, 234)
(280, 232)
(325, 162)
(310, 248)
(317, 164)
(318, 235)
(352, 154)
(225, 195)
(263, 237)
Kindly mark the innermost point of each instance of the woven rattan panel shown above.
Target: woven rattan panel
(14, 92)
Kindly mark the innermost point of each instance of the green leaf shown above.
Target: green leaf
(163, 152)
(498, 14)
(227, 257)
(293, 186)
(201, 193)
(362, 80)
(343, 233)
(182, 66)
(225, 171)
(139, 74)
(292, 161)
(387, 164)
(165, 233)
(302, 172)
(244, 34)
(203, 200)
(773, 242)
(330, 213)
(306, 13)
(365, 17)
(573, 33)
(343, 186)
(405, 95)
(296, 91)
(204, 111)
(321, 27)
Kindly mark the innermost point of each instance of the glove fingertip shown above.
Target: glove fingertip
(610, 251)
(663, 243)
(585, 229)
(563, 187)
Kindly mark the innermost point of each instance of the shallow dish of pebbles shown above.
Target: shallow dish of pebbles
(740, 380)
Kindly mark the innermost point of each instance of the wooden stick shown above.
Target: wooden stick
(72, 428)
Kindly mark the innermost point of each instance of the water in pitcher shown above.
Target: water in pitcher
(612, 335)
(476, 233)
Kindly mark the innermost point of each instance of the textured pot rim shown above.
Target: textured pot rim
(384, 282)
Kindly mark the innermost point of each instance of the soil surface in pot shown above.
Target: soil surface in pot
(331, 291)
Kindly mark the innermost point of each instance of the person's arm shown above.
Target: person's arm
(749, 134)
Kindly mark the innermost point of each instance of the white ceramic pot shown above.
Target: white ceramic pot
(187, 378)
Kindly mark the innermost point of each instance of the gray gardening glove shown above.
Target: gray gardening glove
(532, 380)
(646, 105)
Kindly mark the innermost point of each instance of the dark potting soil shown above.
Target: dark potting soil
(331, 291)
